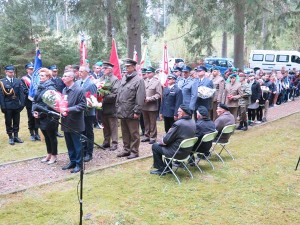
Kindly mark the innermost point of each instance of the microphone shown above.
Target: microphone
(49, 112)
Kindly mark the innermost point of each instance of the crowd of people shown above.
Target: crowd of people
(191, 102)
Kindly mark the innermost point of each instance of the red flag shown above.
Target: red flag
(83, 51)
(165, 66)
(114, 59)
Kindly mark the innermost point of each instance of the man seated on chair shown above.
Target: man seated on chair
(224, 118)
(203, 126)
(182, 129)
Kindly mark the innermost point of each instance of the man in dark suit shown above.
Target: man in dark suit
(89, 115)
(26, 80)
(59, 85)
(171, 100)
(203, 126)
(73, 118)
(12, 103)
(182, 129)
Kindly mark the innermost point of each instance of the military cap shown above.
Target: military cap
(251, 74)
(223, 106)
(215, 68)
(108, 64)
(176, 69)
(157, 71)
(53, 68)
(233, 75)
(29, 65)
(172, 76)
(186, 69)
(9, 68)
(202, 111)
(99, 63)
(234, 69)
(201, 68)
(150, 70)
(130, 62)
(178, 60)
(143, 70)
(185, 109)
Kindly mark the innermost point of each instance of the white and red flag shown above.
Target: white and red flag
(114, 59)
(83, 50)
(165, 66)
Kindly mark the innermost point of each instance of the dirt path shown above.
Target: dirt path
(18, 176)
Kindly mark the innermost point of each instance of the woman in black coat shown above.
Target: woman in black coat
(45, 121)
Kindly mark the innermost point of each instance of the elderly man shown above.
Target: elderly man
(109, 118)
(150, 107)
(182, 129)
(224, 118)
(73, 120)
(12, 103)
(89, 115)
(129, 103)
(203, 126)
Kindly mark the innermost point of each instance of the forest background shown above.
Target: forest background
(192, 29)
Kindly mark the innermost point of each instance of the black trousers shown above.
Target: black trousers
(142, 123)
(31, 119)
(88, 146)
(12, 120)
(157, 151)
(51, 141)
(168, 123)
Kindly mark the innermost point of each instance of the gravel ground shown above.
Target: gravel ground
(18, 176)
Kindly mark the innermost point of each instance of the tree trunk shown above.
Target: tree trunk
(239, 19)
(134, 28)
(264, 31)
(224, 45)
(109, 24)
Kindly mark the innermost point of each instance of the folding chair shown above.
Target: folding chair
(187, 145)
(229, 129)
(206, 138)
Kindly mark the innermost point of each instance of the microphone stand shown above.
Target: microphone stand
(83, 139)
(297, 163)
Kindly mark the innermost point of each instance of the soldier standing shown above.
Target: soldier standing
(12, 103)
(130, 100)
(26, 79)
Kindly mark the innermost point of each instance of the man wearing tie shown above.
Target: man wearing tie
(203, 81)
(150, 108)
(89, 115)
(12, 103)
(171, 100)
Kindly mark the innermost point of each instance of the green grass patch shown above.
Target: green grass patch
(259, 187)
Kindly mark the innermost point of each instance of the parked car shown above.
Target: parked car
(221, 63)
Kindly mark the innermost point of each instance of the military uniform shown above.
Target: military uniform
(219, 85)
(12, 103)
(26, 80)
(151, 107)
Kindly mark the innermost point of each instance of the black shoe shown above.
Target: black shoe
(132, 156)
(113, 148)
(37, 137)
(76, 169)
(244, 128)
(145, 140)
(105, 146)
(32, 137)
(18, 140)
(69, 166)
(152, 142)
(159, 172)
(11, 141)
(87, 158)
(59, 135)
(123, 154)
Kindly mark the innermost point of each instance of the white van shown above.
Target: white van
(274, 60)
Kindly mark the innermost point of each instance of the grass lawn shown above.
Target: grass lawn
(259, 187)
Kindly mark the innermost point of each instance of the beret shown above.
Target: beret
(223, 106)
(185, 109)
(203, 111)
